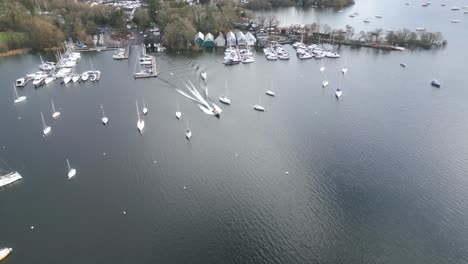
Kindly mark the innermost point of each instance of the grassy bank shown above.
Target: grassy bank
(11, 42)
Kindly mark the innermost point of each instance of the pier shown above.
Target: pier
(146, 73)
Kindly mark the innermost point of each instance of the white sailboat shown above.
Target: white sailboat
(67, 79)
(145, 110)
(188, 132)
(270, 92)
(324, 84)
(203, 75)
(55, 114)
(224, 99)
(338, 93)
(46, 129)
(71, 171)
(18, 99)
(140, 122)
(178, 114)
(344, 70)
(4, 252)
(258, 107)
(322, 68)
(104, 118)
(49, 79)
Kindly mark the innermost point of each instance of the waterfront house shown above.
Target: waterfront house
(250, 39)
(230, 39)
(220, 41)
(199, 39)
(209, 41)
(241, 41)
(262, 37)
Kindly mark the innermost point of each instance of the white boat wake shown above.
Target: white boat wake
(205, 104)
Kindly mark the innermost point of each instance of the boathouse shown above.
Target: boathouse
(199, 39)
(220, 41)
(209, 41)
(241, 41)
(230, 39)
(250, 39)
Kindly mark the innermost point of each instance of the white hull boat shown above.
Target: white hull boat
(21, 82)
(55, 114)
(84, 76)
(338, 93)
(4, 252)
(270, 93)
(140, 122)
(71, 171)
(67, 79)
(48, 79)
(18, 99)
(46, 129)
(203, 75)
(324, 84)
(76, 78)
(259, 108)
(344, 70)
(104, 118)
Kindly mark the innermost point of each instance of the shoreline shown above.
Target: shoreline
(15, 52)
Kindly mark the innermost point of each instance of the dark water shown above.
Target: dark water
(378, 177)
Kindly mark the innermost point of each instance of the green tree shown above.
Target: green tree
(179, 34)
(141, 18)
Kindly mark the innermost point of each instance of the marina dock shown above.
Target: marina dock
(146, 71)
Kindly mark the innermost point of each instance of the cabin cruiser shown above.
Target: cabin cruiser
(332, 55)
(8, 179)
(21, 82)
(39, 78)
(248, 59)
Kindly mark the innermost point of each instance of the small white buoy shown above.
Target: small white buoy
(287, 172)
(185, 187)
(124, 212)
(19, 117)
(155, 162)
(103, 153)
(237, 154)
(32, 227)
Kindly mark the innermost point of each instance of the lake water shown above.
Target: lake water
(379, 176)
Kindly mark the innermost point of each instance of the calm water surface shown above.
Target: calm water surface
(377, 177)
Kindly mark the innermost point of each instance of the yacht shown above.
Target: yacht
(55, 114)
(21, 82)
(250, 59)
(46, 129)
(203, 75)
(4, 252)
(104, 118)
(338, 93)
(71, 171)
(435, 83)
(18, 99)
(140, 122)
(8, 179)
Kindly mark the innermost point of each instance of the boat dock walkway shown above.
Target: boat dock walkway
(127, 52)
(150, 74)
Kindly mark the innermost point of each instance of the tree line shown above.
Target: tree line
(47, 23)
(268, 4)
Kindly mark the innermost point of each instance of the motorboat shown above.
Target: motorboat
(6, 179)
(46, 129)
(338, 93)
(249, 59)
(71, 171)
(55, 113)
(18, 99)
(104, 118)
(270, 93)
(119, 54)
(203, 75)
(4, 252)
(259, 108)
(436, 83)
(21, 82)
